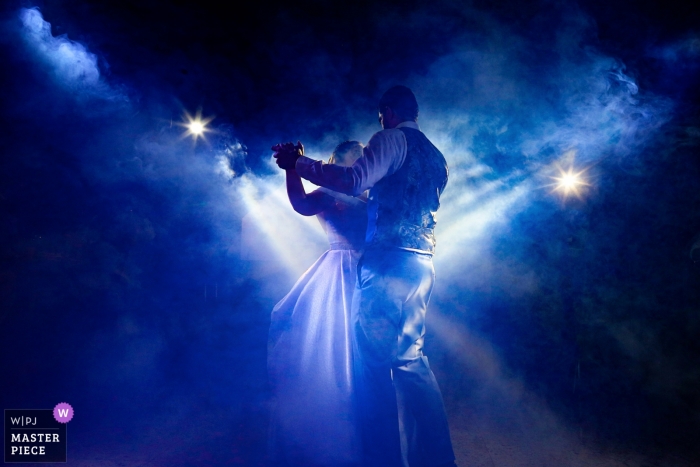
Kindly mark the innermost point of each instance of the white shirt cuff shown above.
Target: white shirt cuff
(304, 162)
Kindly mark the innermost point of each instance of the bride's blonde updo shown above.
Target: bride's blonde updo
(346, 153)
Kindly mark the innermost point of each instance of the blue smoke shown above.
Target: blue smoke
(71, 64)
(167, 255)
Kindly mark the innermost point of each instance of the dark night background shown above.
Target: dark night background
(139, 269)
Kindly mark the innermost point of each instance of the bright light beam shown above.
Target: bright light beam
(196, 126)
(570, 182)
(466, 229)
(271, 221)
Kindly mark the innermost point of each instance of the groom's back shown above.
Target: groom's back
(407, 201)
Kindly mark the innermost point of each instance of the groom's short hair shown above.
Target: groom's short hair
(402, 101)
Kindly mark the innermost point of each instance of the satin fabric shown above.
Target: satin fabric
(402, 416)
(310, 352)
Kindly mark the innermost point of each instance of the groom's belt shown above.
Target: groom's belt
(405, 236)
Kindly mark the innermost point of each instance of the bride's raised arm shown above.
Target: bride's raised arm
(306, 204)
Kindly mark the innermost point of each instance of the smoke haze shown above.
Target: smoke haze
(140, 266)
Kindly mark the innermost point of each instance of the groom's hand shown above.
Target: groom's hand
(286, 154)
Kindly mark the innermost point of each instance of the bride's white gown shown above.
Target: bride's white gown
(310, 351)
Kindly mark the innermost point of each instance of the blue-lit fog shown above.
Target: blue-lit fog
(141, 265)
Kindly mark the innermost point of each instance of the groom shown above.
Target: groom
(405, 174)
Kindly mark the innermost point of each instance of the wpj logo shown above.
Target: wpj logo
(37, 435)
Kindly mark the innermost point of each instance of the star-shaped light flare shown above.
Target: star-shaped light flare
(196, 126)
(570, 182)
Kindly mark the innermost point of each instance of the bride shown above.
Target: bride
(309, 349)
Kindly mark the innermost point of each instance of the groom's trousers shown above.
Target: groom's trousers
(395, 385)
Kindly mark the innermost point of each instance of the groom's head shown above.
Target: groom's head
(397, 105)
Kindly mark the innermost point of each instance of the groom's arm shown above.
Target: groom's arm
(383, 155)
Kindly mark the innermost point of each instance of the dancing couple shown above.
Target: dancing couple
(350, 382)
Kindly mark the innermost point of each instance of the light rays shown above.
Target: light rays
(196, 125)
(468, 214)
(272, 231)
(570, 182)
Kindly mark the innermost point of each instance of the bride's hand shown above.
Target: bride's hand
(289, 147)
(299, 148)
(287, 154)
(281, 147)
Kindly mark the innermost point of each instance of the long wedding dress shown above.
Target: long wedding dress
(310, 350)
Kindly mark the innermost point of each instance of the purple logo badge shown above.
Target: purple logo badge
(63, 412)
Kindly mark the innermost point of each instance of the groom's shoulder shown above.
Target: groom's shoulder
(387, 136)
(388, 133)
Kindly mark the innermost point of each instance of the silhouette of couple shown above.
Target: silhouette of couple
(350, 382)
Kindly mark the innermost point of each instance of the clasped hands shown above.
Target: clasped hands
(286, 154)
